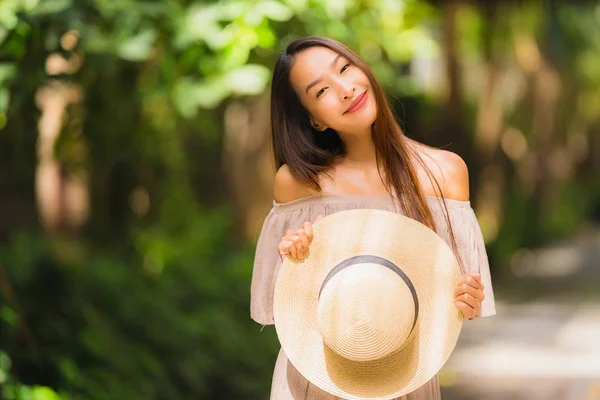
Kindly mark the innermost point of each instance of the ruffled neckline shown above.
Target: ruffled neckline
(382, 200)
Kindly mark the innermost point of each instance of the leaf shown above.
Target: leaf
(234, 57)
(247, 37)
(248, 80)
(44, 393)
(275, 10)
(7, 71)
(51, 7)
(4, 100)
(5, 362)
(231, 10)
(30, 5)
(189, 95)
(210, 94)
(297, 5)
(139, 47)
(3, 34)
(266, 36)
(222, 38)
(8, 14)
(253, 17)
(199, 22)
(95, 41)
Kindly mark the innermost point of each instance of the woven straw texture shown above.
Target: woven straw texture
(421, 254)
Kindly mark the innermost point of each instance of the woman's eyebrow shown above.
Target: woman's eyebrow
(316, 82)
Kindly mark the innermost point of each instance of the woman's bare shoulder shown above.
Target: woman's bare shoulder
(450, 171)
(287, 188)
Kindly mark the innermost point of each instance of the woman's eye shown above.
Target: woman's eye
(345, 67)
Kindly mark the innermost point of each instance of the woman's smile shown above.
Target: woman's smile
(357, 104)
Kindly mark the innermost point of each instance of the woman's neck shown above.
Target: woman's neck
(360, 150)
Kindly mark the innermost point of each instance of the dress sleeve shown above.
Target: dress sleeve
(471, 251)
(267, 260)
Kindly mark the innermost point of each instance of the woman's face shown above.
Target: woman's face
(327, 85)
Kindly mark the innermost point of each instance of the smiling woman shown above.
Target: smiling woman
(326, 105)
(338, 147)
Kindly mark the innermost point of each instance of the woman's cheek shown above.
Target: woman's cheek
(328, 113)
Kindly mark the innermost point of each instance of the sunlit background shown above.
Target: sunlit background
(135, 173)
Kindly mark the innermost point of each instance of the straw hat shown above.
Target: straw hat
(369, 312)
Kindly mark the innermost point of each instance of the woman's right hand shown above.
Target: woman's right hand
(295, 242)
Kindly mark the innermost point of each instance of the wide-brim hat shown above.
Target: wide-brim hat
(369, 312)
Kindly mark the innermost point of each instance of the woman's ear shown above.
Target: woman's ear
(317, 126)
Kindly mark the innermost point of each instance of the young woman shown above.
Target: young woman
(338, 146)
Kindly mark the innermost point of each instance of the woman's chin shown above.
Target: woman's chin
(360, 121)
(368, 115)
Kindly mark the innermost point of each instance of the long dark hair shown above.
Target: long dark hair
(309, 153)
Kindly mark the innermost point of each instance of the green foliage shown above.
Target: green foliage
(12, 390)
(170, 321)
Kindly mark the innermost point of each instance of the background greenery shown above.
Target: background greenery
(135, 172)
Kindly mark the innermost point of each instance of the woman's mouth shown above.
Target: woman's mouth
(357, 104)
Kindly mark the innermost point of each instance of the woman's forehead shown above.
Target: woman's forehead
(310, 64)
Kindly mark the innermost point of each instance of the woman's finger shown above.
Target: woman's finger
(468, 311)
(470, 300)
(466, 288)
(298, 246)
(289, 246)
(303, 240)
(307, 227)
(283, 248)
(472, 280)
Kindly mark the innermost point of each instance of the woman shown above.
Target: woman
(338, 146)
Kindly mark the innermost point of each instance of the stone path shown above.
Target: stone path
(545, 346)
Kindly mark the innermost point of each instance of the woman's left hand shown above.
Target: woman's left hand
(469, 295)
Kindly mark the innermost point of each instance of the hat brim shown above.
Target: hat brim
(421, 254)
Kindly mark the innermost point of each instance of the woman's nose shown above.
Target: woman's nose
(347, 92)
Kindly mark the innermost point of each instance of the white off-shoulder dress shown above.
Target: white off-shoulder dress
(288, 383)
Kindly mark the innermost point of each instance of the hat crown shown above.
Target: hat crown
(365, 312)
